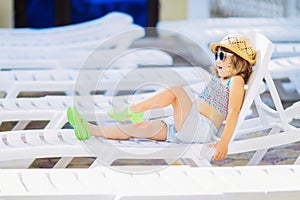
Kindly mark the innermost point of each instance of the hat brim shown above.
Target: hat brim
(213, 47)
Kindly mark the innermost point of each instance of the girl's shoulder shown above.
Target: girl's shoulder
(236, 80)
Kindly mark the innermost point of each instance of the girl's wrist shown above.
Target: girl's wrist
(225, 141)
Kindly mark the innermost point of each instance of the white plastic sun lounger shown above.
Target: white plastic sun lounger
(56, 35)
(229, 22)
(281, 132)
(211, 30)
(53, 109)
(84, 59)
(84, 82)
(95, 43)
(68, 29)
(124, 33)
(104, 46)
(174, 182)
(285, 36)
(276, 34)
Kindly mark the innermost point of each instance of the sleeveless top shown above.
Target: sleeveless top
(217, 95)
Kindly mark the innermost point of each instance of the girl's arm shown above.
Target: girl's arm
(236, 97)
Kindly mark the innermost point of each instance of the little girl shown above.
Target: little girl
(195, 119)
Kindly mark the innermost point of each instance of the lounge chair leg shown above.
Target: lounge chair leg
(297, 162)
(21, 125)
(258, 156)
(63, 162)
(202, 162)
(170, 161)
(201, 155)
(58, 121)
(101, 162)
(110, 93)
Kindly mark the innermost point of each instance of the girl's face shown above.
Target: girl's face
(223, 61)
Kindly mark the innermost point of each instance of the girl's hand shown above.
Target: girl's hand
(221, 150)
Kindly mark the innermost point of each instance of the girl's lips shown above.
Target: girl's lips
(219, 67)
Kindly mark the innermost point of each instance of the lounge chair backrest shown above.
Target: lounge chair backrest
(71, 29)
(264, 49)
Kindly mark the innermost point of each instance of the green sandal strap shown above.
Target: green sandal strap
(126, 115)
(78, 122)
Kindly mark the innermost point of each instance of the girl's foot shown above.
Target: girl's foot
(78, 122)
(126, 115)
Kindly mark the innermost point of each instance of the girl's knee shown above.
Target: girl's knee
(177, 90)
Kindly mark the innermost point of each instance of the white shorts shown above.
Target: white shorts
(195, 129)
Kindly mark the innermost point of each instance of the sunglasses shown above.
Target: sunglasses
(221, 55)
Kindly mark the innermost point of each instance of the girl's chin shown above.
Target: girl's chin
(223, 75)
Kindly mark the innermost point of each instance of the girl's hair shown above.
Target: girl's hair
(239, 66)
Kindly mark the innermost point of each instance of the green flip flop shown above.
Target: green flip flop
(78, 122)
(126, 115)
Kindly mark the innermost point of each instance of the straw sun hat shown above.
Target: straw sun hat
(238, 44)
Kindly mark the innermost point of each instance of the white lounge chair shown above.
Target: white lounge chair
(54, 35)
(279, 130)
(84, 41)
(283, 32)
(82, 59)
(231, 22)
(106, 151)
(210, 30)
(112, 42)
(112, 50)
(174, 182)
(92, 45)
(68, 29)
(286, 39)
(84, 81)
(53, 109)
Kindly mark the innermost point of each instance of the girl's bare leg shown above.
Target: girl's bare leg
(155, 130)
(175, 96)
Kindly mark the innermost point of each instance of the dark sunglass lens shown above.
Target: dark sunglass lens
(222, 56)
(216, 55)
